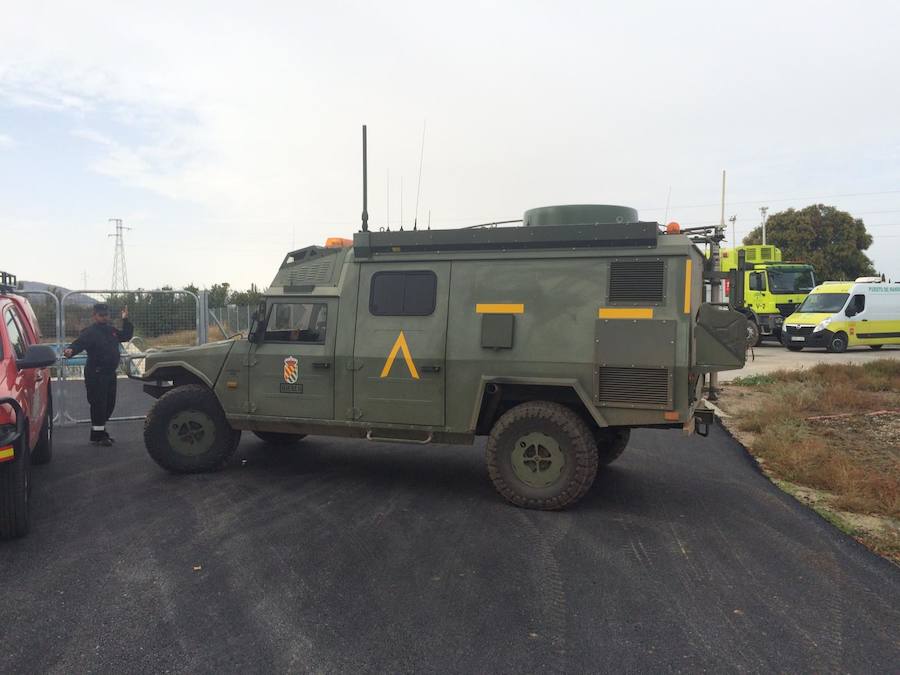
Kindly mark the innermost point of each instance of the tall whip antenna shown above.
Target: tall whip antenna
(365, 213)
(419, 185)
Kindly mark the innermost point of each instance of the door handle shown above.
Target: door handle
(325, 365)
(431, 369)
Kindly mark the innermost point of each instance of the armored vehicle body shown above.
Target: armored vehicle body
(553, 338)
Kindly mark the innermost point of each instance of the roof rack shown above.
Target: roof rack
(8, 282)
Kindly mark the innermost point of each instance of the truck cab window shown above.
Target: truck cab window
(297, 322)
(856, 305)
(757, 281)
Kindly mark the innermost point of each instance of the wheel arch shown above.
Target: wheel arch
(178, 372)
(496, 395)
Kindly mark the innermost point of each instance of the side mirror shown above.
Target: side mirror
(37, 356)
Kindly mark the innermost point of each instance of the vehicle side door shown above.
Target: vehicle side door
(22, 382)
(859, 329)
(401, 343)
(291, 367)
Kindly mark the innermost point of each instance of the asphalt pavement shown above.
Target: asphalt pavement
(345, 556)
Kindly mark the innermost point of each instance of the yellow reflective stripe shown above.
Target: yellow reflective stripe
(687, 286)
(623, 313)
(7, 453)
(495, 308)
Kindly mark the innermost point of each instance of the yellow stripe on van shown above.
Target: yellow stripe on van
(625, 313)
(687, 285)
(500, 308)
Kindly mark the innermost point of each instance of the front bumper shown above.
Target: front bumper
(802, 336)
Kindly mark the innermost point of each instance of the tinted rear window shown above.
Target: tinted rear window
(403, 293)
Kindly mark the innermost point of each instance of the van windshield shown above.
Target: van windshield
(823, 303)
(791, 280)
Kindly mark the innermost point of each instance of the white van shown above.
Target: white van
(840, 314)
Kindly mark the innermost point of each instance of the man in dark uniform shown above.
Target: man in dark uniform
(101, 342)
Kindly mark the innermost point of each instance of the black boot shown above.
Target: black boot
(100, 438)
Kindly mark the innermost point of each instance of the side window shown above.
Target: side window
(16, 335)
(858, 303)
(403, 293)
(757, 281)
(297, 322)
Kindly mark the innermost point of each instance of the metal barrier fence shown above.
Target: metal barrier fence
(164, 318)
(230, 320)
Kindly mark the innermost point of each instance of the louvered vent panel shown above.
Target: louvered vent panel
(765, 253)
(637, 281)
(635, 386)
(315, 273)
(750, 254)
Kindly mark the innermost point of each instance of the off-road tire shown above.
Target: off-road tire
(15, 484)
(43, 451)
(611, 443)
(194, 399)
(875, 347)
(837, 343)
(276, 438)
(575, 443)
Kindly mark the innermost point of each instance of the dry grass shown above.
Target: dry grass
(815, 428)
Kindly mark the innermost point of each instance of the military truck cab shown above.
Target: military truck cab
(553, 338)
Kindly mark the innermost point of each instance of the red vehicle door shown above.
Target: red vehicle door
(22, 384)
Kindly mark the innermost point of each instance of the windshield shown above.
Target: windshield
(823, 303)
(787, 280)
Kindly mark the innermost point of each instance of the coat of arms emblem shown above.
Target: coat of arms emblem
(291, 370)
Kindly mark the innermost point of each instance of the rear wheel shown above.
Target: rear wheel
(15, 477)
(541, 455)
(43, 451)
(274, 438)
(186, 431)
(837, 344)
(611, 443)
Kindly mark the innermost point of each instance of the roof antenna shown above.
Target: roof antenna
(419, 185)
(365, 213)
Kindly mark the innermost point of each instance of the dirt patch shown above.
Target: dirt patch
(830, 436)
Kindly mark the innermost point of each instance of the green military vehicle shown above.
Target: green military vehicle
(553, 338)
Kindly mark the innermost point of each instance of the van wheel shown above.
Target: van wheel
(838, 343)
(15, 487)
(186, 431)
(274, 438)
(541, 455)
(875, 347)
(611, 443)
(43, 451)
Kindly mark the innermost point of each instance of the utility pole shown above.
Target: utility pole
(120, 271)
(764, 214)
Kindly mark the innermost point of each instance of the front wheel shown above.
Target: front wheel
(541, 455)
(837, 344)
(754, 334)
(186, 431)
(14, 488)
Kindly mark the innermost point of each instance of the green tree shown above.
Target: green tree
(831, 240)
(218, 294)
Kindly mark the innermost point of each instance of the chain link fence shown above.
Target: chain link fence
(229, 321)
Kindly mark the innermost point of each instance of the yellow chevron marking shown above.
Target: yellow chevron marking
(400, 345)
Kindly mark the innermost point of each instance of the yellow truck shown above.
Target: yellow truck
(842, 314)
(764, 288)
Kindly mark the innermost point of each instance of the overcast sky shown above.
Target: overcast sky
(225, 133)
